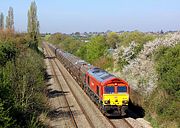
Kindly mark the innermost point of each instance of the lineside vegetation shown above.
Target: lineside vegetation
(163, 105)
(21, 82)
(97, 49)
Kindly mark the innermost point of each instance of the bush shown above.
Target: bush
(131, 44)
(164, 102)
(140, 38)
(7, 52)
(5, 120)
(82, 52)
(167, 66)
(65, 42)
(104, 62)
(121, 63)
(96, 48)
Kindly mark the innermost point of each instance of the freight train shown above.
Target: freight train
(108, 92)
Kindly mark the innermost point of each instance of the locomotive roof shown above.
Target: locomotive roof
(100, 74)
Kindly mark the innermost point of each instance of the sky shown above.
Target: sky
(69, 16)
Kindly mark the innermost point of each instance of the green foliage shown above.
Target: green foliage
(126, 38)
(122, 62)
(138, 37)
(57, 38)
(33, 123)
(21, 84)
(104, 62)
(65, 42)
(5, 120)
(95, 48)
(165, 100)
(47, 37)
(95, 52)
(82, 52)
(154, 122)
(167, 65)
(7, 52)
(112, 39)
(70, 45)
(30, 78)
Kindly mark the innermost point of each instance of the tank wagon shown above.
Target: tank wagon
(108, 92)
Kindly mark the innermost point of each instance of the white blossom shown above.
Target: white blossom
(140, 73)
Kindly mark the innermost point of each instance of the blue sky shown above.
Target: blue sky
(98, 15)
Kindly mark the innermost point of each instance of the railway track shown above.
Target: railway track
(114, 123)
(121, 123)
(69, 113)
(130, 125)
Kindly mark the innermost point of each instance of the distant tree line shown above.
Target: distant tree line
(97, 49)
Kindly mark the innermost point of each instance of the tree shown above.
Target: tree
(1, 21)
(10, 19)
(33, 24)
(95, 48)
(112, 39)
(77, 33)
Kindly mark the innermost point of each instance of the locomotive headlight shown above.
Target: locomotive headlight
(125, 102)
(107, 101)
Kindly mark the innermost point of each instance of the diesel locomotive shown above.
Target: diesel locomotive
(108, 92)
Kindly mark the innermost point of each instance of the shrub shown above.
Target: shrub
(168, 68)
(21, 85)
(104, 62)
(7, 52)
(95, 48)
(82, 52)
(5, 120)
(140, 38)
(164, 101)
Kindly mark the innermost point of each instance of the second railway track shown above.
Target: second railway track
(69, 113)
